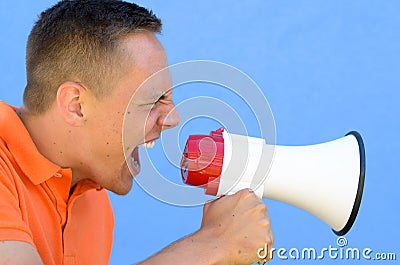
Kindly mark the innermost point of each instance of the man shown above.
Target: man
(60, 151)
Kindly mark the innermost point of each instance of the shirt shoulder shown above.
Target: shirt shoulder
(12, 223)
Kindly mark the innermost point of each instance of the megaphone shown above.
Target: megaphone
(324, 179)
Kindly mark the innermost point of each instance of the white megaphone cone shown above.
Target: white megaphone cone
(325, 179)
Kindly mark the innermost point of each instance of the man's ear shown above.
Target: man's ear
(70, 97)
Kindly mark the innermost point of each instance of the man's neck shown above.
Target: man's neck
(48, 134)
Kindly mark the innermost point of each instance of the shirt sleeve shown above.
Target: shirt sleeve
(12, 224)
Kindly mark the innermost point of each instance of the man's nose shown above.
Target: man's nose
(169, 117)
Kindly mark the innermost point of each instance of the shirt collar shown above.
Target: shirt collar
(33, 164)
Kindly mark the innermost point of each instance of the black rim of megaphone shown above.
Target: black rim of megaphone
(360, 189)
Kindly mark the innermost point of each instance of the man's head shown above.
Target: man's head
(79, 41)
(85, 61)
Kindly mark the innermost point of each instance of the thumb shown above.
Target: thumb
(208, 203)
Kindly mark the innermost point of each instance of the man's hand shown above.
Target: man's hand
(239, 224)
(234, 227)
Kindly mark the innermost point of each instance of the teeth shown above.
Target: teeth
(135, 163)
(148, 144)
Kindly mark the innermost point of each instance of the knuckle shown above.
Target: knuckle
(271, 239)
(249, 195)
(261, 207)
(244, 192)
(265, 224)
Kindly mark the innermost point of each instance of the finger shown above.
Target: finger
(244, 193)
(271, 236)
(270, 243)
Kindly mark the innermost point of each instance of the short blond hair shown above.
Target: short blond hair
(77, 40)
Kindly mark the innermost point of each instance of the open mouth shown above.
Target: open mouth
(134, 166)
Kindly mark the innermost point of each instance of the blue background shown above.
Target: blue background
(326, 67)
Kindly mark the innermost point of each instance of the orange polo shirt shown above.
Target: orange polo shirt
(35, 205)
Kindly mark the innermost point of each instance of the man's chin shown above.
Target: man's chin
(122, 188)
(120, 192)
(124, 183)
